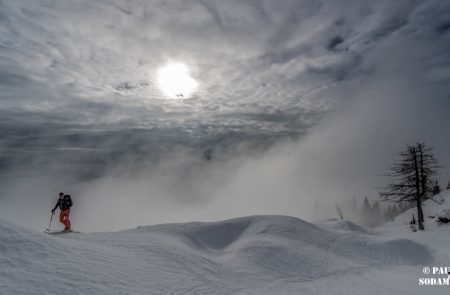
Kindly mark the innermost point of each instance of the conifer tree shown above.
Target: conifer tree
(376, 213)
(412, 178)
(436, 188)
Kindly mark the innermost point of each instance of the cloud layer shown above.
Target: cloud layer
(297, 99)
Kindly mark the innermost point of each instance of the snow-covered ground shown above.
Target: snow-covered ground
(248, 255)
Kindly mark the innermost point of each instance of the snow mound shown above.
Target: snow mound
(23, 243)
(347, 225)
(194, 258)
(202, 236)
(401, 250)
(284, 246)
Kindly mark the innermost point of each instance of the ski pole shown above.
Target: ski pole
(50, 224)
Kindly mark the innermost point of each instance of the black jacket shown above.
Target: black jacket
(63, 204)
(58, 204)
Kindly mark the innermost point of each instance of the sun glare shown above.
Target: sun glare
(175, 81)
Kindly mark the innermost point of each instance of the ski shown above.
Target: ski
(61, 232)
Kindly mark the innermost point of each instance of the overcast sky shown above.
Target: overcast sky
(296, 100)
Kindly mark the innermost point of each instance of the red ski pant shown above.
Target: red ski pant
(64, 218)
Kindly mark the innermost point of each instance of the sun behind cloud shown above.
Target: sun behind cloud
(175, 81)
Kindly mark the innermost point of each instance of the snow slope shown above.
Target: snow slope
(439, 206)
(249, 255)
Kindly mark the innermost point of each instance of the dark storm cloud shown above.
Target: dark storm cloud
(107, 52)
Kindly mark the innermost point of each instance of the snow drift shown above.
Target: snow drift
(198, 258)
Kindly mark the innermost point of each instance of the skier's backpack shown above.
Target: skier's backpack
(67, 202)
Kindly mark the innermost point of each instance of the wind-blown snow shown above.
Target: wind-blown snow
(248, 255)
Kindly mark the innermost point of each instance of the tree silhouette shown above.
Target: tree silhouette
(412, 178)
(436, 188)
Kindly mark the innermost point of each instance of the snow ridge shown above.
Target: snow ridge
(222, 257)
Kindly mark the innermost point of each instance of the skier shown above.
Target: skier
(64, 203)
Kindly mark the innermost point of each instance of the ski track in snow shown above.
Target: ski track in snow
(248, 255)
(326, 262)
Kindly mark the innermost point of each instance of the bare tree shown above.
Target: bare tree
(339, 212)
(412, 177)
